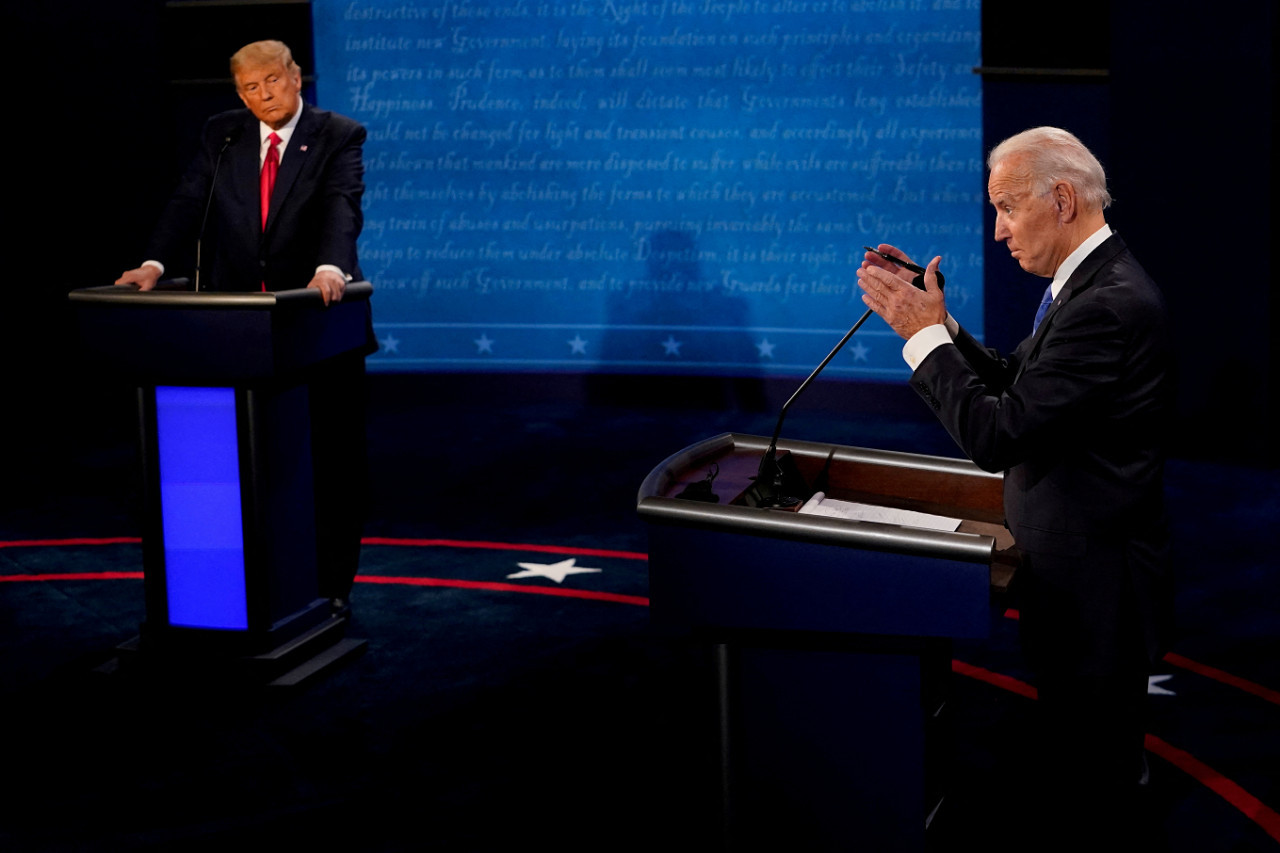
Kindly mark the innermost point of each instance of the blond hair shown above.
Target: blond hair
(261, 53)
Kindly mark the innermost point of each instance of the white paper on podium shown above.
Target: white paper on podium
(820, 504)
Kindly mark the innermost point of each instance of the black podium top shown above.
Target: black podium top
(180, 337)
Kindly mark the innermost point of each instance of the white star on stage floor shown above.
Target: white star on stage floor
(1154, 688)
(555, 571)
(484, 343)
(671, 346)
(390, 344)
(766, 348)
(577, 345)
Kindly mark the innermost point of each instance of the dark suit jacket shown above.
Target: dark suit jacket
(315, 218)
(315, 214)
(1077, 418)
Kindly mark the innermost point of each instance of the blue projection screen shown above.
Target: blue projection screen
(654, 186)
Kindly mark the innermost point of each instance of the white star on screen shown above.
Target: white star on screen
(555, 571)
(1154, 688)
(390, 344)
(577, 345)
(484, 343)
(671, 346)
(859, 352)
(766, 348)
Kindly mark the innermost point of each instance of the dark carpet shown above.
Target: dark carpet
(483, 719)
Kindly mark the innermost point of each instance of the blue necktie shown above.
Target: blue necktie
(1044, 308)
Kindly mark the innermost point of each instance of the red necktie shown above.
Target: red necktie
(267, 180)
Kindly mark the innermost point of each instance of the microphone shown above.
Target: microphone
(232, 136)
(772, 478)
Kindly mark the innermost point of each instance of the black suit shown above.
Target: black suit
(315, 215)
(1077, 418)
(314, 219)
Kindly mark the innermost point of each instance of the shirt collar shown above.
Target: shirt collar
(265, 130)
(1093, 241)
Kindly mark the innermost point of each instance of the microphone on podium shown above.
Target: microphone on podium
(232, 136)
(775, 480)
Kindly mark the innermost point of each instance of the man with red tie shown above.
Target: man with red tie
(273, 198)
(286, 181)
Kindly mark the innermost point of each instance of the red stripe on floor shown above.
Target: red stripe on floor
(504, 546)
(368, 540)
(1219, 675)
(46, 543)
(1004, 682)
(1223, 677)
(1249, 805)
(74, 576)
(506, 587)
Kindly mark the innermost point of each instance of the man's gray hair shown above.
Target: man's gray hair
(1051, 155)
(261, 53)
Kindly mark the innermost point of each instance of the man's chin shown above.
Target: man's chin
(276, 120)
(1026, 266)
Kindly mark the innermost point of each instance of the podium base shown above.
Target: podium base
(294, 663)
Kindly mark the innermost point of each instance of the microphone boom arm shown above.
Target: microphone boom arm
(769, 476)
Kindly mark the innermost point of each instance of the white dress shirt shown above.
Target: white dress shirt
(930, 338)
(264, 132)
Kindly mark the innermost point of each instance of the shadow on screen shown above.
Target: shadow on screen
(670, 306)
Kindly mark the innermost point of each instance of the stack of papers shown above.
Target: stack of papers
(820, 504)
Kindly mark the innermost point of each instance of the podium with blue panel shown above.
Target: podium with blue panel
(829, 638)
(229, 529)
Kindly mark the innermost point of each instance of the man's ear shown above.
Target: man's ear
(1064, 199)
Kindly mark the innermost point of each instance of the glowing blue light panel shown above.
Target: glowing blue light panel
(200, 502)
(667, 186)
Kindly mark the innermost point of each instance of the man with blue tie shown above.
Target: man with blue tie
(1077, 417)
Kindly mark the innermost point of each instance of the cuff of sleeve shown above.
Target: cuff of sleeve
(332, 268)
(925, 341)
(155, 264)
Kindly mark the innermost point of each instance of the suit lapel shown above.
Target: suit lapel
(293, 162)
(241, 161)
(1079, 282)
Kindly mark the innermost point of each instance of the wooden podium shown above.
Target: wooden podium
(832, 637)
(229, 519)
